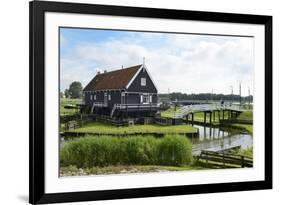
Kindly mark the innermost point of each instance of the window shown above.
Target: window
(144, 99)
(109, 97)
(150, 98)
(143, 81)
(95, 97)
(91, 97)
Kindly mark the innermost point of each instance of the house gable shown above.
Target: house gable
(136, 85)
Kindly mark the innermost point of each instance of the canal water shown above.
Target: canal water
(215, 139)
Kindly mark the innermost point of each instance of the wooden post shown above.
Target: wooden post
(222, 114)
(219, 115)
(192, 119)
(204, 118)
(214, 116)
(210, 116)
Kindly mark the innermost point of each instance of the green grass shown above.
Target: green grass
(246, 115)
(135, 150)
(68, 101)
(248, 152)
(102, 128)
(74, 171)
(246, 127)
(169, 113)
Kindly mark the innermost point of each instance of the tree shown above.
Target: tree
(66, 93)
(75, 89)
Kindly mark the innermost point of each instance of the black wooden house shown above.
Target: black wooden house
(128, 92)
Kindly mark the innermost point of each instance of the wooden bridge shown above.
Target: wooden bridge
(210, 109)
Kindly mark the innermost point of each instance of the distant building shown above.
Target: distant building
(128, 92)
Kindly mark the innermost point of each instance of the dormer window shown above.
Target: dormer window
(143, 81)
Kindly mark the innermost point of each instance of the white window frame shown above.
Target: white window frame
(91, 97)
(95, 97)
(109, 96)
(150, 98)
(143, 81)
(145, 96)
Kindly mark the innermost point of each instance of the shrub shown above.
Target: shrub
(175, 150)
(134, 150)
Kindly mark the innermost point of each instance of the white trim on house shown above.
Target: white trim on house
(134, 77)
(137, 73)
(150, 77)
(140, 93)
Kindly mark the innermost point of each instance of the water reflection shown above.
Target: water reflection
(216, 139)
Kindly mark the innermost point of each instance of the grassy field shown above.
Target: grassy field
(122, 169)
(102, 128)
(68, 101)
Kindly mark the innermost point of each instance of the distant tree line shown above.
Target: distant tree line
(204, 96)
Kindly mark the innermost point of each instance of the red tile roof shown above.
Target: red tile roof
(117, 79)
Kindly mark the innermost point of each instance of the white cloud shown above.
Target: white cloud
(185, 63)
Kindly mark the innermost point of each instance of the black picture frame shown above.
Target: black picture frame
(37, 10)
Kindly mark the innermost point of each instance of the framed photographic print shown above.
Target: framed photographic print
(141, 102)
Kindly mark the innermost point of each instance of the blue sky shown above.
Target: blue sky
(177, 62)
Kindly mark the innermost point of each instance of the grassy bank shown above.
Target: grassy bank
(68, 101)
(110, 151)
(74, 171)
(248, 152)
(103, 128)
(245, 127)
(246, 115)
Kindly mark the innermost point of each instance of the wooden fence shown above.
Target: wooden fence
(211, 158)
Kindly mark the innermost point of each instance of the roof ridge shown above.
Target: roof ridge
(120, 69)
(105, 80)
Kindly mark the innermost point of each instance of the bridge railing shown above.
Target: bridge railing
(185, 110)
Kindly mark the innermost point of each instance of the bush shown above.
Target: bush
(175, 150)
(134, 150)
